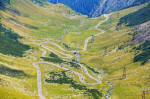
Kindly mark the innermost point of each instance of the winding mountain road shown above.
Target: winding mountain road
(39, 81)
(67, 31)
(66, 56)
(87, 40)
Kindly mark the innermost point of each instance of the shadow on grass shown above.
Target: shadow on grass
(12, 72)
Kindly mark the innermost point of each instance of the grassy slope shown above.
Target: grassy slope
(113, 63)
(19, 87)
(9, 44)
(136, 18)
(33, 25)
(57, 90)
(48, 21)
(32, 22)
(16, 77)
(85, 30)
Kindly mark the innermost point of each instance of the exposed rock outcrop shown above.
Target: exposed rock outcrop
(142, 33)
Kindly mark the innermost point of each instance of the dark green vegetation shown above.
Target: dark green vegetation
(53, 58)
(9, 44)
(62, 78)
(122, 47)
(95, 8)
(67, 46)
(92, 69)
(145, 55)
(137, 3)
(74, 65)
(53, 55)
(11, 72)
(136, 18)
(39, 2)
(81, 6)
(4, 3)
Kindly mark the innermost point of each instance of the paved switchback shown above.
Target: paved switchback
(67, 56)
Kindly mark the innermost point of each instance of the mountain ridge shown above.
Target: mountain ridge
(95, 8)
(67, 55)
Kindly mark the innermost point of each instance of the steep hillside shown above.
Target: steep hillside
(9, 41)
(49, 51)
(25, 21)
(139, 19)
(25, 18)
(113, 53)
(136, 18)
(94, 8)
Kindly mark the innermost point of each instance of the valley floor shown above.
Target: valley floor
(90, 59)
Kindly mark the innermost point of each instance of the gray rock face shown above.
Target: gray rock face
(107, 6)
(94, 8)
(143, 33)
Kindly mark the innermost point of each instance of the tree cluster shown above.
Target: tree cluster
(64, 79)
(136, 18)
(9, 43)
(144, 56)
